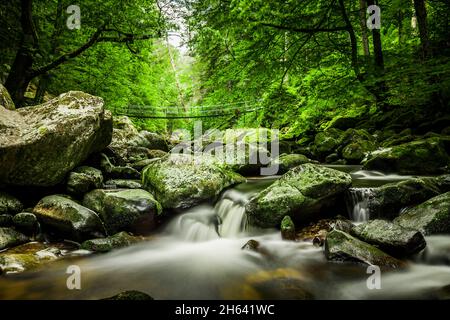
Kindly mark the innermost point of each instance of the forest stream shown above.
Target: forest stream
(199, 254)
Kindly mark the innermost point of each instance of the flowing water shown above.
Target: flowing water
(198, 255)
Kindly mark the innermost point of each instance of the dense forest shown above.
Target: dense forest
(96, 98)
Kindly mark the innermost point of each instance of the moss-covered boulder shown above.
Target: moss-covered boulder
(285, 162)
(340, 246)
(119, 240)
(430, 217)
(426, 156)
(5, 99)
(39, 145)
(84, 179)
(390, 237)
(132, 210)
(9, 204)
(68, 218)
(328, 141)
(287, 229)
(10, 238)
(387, 201)
(355, 152)
(26, 222)
(301, 193)
(182, 180)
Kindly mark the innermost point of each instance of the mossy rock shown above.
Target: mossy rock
(301, 193)
(355, 152)
(430, 217)
(133, 210)
(84, 179)
(39, 145)
(5, 99)
(418, 157)
(285, 162)
(10, 238)
(26, 222)
(390, 237)
(9, 204)
(328, 141)
(68, 218)
(340, 246)
(5, 220)
(28, 256)
(287, 228)
(387, 201)
(119, 240)
(182, 181)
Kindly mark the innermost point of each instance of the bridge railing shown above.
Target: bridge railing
(196, 111)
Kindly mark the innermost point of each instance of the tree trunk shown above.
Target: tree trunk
(362, 22)
(353, 42)
(44, 80)
(421, 14)
(20, 74)
(377, 47)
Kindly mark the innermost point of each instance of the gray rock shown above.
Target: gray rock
(182, 181)
(69, 218)
(25, 221)
(39, 145)
(9, 204)
(84, 179)
(430, 217)
(10, 238)
(390, 237)
(119, 240)
(301, 193)
(132, 210)
(340, 246)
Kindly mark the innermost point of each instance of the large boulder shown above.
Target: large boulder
(390, 237)
(9, 204)
(124, 209)
(426, 156)
(340, 246)
(10, 238)
(430, 217)
(68, 218)
(183, 180)
(301, 193)
(39, 145)
(5, 99)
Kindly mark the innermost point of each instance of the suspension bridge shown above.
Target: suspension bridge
(197, 111)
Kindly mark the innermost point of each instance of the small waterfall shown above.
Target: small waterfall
(202, 223)
(197, 224)
(231, 213)
(358, 202)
